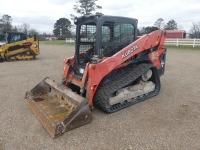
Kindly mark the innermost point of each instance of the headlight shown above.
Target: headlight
(81, 70)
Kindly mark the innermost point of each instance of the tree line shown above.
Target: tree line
(63, 28)
(6, 26)
(159, 24)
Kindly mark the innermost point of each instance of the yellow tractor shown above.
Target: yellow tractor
(17, 46)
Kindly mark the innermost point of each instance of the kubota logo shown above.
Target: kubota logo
(128, 52)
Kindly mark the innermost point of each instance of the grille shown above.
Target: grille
(87, 33)
(87, 37)
(84, 48)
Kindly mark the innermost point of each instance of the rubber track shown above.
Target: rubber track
(105, 90)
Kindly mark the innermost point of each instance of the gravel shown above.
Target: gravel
(170, 120)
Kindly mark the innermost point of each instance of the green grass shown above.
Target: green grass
(183, 47)
(56, 42)
(62, 42)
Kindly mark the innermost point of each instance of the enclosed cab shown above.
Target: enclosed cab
(2, 39)
(101, 36)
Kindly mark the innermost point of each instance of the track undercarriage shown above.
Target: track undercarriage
(136, 85)
(25, 55)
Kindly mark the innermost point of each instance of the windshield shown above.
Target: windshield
(114, 37)
(2, 38)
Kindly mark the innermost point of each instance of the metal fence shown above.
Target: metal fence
(70, 40)
(182, 42)
(168, 41)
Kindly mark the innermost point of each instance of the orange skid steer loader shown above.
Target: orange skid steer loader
(112, 69)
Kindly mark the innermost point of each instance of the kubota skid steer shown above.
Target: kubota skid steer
(17, 46)
(111, 69)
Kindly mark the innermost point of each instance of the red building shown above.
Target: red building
(175, 33)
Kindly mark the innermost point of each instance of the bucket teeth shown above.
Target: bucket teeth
(58, 108)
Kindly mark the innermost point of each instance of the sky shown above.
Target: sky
(42, 14)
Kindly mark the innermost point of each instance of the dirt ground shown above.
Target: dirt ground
(169, 121)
